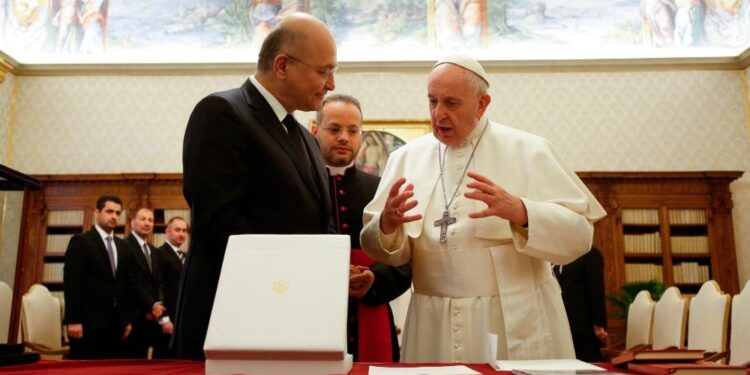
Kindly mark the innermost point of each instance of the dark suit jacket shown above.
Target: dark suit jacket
(582, 284)
(170, 268)
(93, 296)
(147, 288)
(242, 175)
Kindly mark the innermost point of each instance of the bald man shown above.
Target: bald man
(250, 167)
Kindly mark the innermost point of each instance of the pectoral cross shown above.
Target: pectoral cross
(443, 224)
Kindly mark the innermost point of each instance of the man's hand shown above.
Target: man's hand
(397, 204)
(126, 333)
(360, 281)
(157, 310)
(600, 333)
(75, 331)
(499, 202)
(167, 328)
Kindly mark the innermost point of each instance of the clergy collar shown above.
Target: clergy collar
(338, 171)
(476, 132)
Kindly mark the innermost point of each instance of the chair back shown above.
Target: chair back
(640, 321)
(41, 323)
(708, 319)
(6, 300)
(739, 345)
(670, 315)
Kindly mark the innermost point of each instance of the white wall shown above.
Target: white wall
(741, 197)
(636, 120)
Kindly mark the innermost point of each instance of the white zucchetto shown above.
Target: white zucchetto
(467, 63)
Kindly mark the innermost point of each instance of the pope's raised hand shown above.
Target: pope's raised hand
(396, 206)
(499, 202)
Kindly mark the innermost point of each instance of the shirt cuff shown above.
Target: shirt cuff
(164, 320)
(392, 241)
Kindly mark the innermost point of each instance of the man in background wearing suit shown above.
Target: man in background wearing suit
(96, 284)
(370, 329)
(171, 259)
(250, 167)
(146, 304)
(582, 284)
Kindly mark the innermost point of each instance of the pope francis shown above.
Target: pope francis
(480, 209)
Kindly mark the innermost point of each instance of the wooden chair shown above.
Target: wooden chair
(41, 323)
(670, 315)
(707, 323)
(739, 345)
(640, 321)
(6, 300)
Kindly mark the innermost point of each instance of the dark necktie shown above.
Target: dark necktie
(295, 134)
(111, 253)
(147, 254)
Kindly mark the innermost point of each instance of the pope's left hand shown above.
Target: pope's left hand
(499, 202)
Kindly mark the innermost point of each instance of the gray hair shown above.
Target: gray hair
(280, 39)
(477, 83)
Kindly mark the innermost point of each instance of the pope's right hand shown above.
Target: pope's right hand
(396, 207)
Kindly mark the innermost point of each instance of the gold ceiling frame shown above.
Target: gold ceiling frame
(5, 68)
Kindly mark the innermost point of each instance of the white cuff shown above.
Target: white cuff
(164, 320)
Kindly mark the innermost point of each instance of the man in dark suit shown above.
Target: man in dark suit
(96, 284)
(250, 167)
(171, 259)
(582, 284)
(147, 295)
(371, 331)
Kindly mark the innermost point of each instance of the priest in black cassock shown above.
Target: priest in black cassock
(372, 285)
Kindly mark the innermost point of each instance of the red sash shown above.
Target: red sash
(373, 325)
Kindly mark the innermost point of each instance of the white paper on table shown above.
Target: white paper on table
(492, 351)
(437, 370)
(548, 365)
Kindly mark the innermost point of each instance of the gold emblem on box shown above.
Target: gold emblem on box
(280, 286)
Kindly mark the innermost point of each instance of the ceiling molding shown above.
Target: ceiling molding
(5, 68)
(743, 59)
(737, 62)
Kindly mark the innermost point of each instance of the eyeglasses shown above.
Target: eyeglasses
(324, 73)
(336, 131)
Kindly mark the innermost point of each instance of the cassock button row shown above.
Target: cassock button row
(339, 178)
(459, 167)
(454, 248)
(455, 329)
(345, 226)
(343, 208)
(341, 192)
(456, 312)
(457, 346)
(460, 154)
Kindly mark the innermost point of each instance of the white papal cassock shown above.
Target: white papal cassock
(490, 276)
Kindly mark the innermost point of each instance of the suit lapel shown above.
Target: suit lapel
(101, 251)
(138, 254)
(267, 118)
(319, 169)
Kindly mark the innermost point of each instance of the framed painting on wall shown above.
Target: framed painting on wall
(381, 137)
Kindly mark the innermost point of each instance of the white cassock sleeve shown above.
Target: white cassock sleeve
(560, 208)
